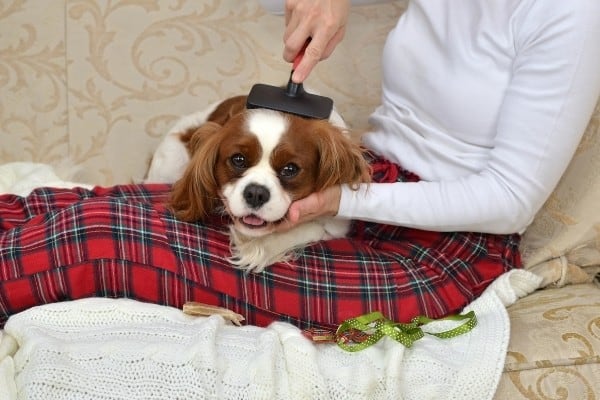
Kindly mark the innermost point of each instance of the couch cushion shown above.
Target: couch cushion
(562, 245)
(554, 350)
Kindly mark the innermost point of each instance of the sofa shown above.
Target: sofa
(93, 85)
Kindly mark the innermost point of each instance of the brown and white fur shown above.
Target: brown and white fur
(253, 164)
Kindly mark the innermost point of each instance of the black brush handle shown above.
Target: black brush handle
(293, 89)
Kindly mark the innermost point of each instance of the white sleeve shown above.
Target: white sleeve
(551, 96)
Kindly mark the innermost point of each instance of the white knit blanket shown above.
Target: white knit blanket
(22, 177)
(123, 349)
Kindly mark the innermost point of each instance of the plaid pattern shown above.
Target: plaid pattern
(59, 244)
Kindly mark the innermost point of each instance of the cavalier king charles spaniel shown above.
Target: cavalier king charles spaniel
(251, 165)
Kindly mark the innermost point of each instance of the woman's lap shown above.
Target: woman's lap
(123, 242)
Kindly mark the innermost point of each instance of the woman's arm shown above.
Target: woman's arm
(554, 86)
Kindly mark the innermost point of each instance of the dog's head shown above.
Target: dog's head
(255, 163)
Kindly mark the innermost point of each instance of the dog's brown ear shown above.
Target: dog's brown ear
(195, 195)
(227, 109)
(194, 137)
(341, 159)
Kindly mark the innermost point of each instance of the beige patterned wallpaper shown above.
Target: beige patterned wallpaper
(33, 111)
(99, 81)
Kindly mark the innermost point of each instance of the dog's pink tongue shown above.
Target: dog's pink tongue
(253, 220)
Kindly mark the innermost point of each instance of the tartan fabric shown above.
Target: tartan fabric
(122, 241)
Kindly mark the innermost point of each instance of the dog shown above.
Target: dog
(251, 165)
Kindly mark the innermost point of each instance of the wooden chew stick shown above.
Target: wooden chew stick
(201, 309)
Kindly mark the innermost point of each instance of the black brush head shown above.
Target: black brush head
(291, 99)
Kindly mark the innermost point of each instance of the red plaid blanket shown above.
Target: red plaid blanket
(121, 241)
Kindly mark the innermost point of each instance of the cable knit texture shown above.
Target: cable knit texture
(123, 349)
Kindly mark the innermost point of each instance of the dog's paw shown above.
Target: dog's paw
(253, 264)
(255, 254)
(255, 257)
(247, 267)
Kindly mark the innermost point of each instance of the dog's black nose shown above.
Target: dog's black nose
(256, 195)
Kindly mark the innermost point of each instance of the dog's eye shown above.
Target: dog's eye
(289, 171)
(238, 161)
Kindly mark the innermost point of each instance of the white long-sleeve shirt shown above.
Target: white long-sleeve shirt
(486, 101)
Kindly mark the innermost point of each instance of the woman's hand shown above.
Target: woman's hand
(325, 203)
(321, 21)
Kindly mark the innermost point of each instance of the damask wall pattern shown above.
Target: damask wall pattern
(98, 82)
(33, 99)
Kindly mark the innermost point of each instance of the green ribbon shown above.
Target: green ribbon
(358, 333)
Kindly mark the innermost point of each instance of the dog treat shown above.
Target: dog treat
(201, 309)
